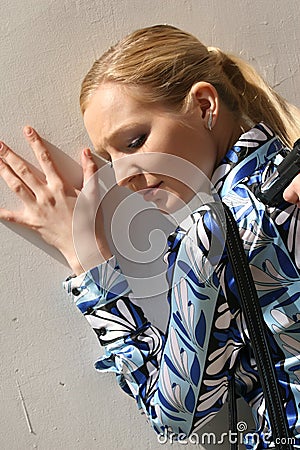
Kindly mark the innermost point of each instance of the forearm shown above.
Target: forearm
(161, 372)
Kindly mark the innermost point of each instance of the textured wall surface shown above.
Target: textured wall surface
(46, 47)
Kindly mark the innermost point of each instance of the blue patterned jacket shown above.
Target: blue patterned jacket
(180, 378)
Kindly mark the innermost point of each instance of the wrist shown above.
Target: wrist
(86, 254)
(74, 263)
(78, 267)
(104, 251)
(83, 263)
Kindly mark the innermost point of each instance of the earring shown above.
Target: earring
(210, 120)
(111, 164)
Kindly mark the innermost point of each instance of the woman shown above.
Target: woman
(160, 92)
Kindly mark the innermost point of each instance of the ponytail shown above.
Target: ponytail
(256, 100)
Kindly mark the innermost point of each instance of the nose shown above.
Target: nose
(125, 169)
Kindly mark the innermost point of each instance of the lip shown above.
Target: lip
(150, 192)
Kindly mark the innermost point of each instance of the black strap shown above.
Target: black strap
(257, 333)
(232, 410)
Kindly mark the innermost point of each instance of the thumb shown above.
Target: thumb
(89, 166)
(292, 192)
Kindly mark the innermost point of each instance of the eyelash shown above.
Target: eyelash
(138, 142)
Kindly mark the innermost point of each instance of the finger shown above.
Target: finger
(89, 167)
(292, 192)
(15, 183)
(11, 216)
(290, 195)
(43, 156)
(19, 167)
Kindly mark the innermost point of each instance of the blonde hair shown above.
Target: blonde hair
(166, 62)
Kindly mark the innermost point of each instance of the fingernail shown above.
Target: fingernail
(87, 152)
(28, 131)
(1, 146)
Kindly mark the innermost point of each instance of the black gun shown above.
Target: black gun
(272, 189)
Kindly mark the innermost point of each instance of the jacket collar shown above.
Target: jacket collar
(253, 149)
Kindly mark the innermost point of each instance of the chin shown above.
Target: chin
(169, 203)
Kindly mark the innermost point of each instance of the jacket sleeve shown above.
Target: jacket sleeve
(163, 372)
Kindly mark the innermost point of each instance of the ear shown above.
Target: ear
(205, 97)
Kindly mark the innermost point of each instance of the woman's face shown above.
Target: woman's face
(165, 157)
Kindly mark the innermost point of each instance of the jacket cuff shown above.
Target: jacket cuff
(97, 287)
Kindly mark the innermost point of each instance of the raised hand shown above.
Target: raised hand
(49, 202)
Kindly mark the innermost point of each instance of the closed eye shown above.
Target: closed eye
(138, 142)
